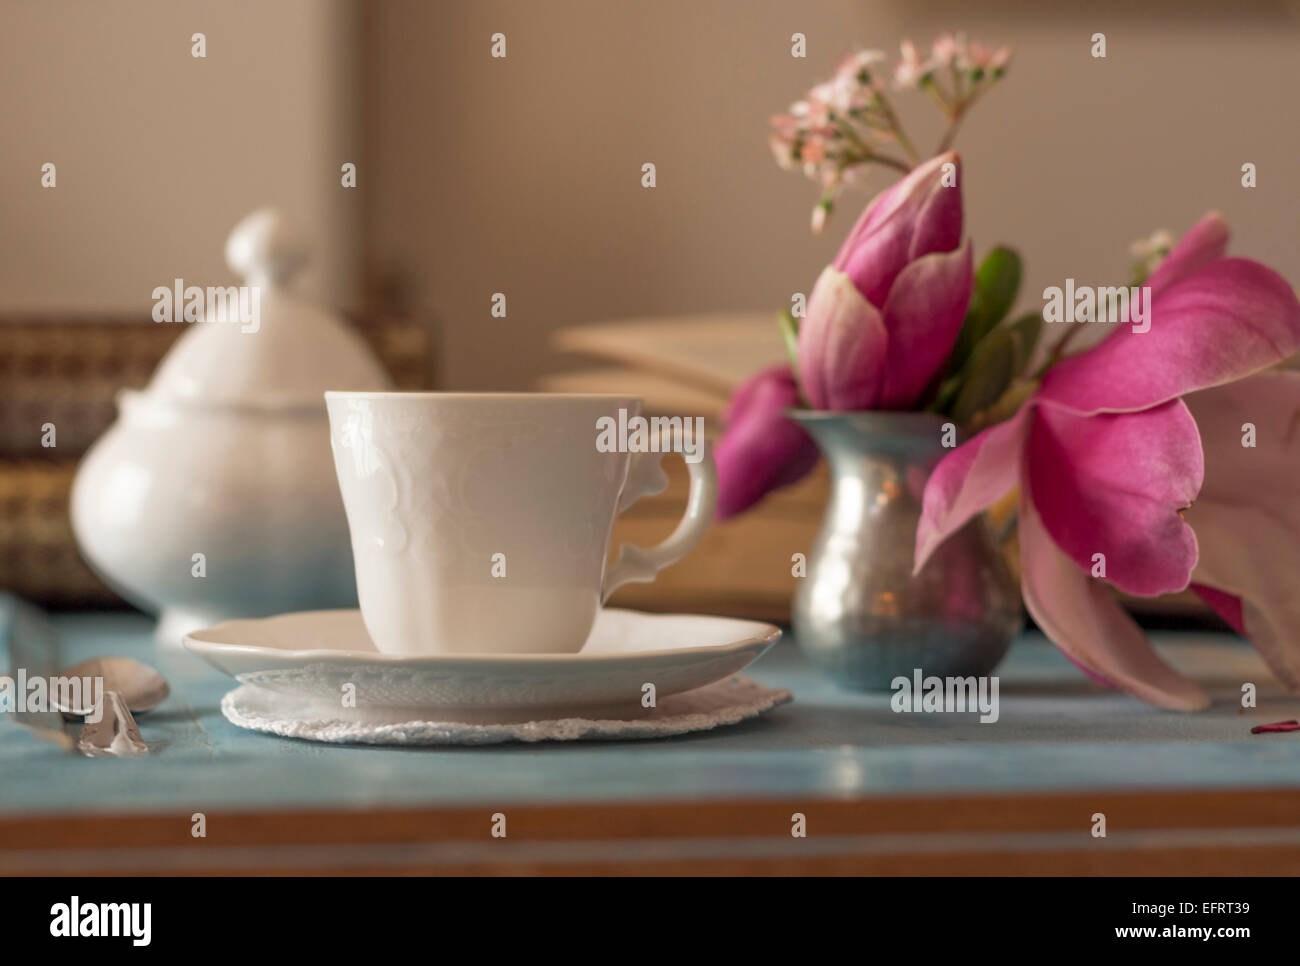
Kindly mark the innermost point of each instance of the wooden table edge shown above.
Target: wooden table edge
(1148, 832)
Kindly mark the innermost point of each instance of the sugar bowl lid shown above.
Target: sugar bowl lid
(258, 343)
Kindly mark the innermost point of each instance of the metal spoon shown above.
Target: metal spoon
(114, 735)
(127, 685)
(140, 686)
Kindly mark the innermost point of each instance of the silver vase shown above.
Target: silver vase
(859, 613)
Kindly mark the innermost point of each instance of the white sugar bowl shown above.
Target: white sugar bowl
(213, 495)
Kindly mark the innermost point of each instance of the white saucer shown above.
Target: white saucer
(317, 655)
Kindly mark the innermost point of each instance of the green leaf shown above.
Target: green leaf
(1006, 405)
(946, 393)
(998, 359)
(997, 280)
(790, 334)
(986, 375)
(1025, 330)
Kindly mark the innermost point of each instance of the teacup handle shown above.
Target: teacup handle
(646, 477)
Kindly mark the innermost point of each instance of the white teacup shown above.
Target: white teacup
(481, 522)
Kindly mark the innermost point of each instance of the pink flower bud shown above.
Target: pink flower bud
(761, 449)
(885, 314)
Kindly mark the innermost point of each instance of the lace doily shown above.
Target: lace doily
(722, 703)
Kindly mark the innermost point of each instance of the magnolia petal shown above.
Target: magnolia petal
(889, 202)
(842, 346)
(878, 210)
(915, 217)
(1205, 242)
(1244, 545)
(743, 398)
(1247, 517)
(1082, 617)
(969, 480)
(761, 449)
(1114, 485)
(1227, 606)
(1226, 321)
(923, 314)
(939, 221)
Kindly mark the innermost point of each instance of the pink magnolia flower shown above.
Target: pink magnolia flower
(761, 449)
(880, 322)
(884, 315)
(1247, 516)
(1109, 458)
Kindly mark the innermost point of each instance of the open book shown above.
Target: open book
(686, 364)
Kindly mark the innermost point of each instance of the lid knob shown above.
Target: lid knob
(264, 248)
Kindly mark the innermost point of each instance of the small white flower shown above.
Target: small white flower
(819, 214)
(1151, 251)
(1159, 242)
(948, 49)
(855, 63)
(911, 68)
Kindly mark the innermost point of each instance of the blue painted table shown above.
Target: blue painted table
(873, 786)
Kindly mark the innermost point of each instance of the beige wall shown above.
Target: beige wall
(159, 153)
(522, 175)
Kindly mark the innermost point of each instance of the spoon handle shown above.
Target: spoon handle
(114, 735)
